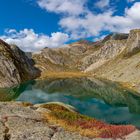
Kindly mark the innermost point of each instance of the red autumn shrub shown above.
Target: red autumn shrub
(114, 131)
(107, 131)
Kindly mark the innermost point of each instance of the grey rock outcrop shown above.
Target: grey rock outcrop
(26, 66)
(116, 36)
(26, 123)
(109, 50)
(133, 43)
(15, 66)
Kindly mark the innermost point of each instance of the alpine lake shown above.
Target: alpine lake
(100, 99)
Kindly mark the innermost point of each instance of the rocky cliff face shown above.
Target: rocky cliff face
(125, 67)
(133, 43)
(109, 50)
(15, 66)
(25, 65)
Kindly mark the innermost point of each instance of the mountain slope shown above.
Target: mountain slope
(67, 58)
(116, 57)
(82, 55)
(126, 66)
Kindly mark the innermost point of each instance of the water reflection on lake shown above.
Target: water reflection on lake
(100, 99)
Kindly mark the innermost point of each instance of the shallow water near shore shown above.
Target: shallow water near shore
(100, 99)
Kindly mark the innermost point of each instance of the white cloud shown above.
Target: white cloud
(71, 7)
(93, 24)
(85, 27)
(28, 40)
(134, 11)
(102, 3)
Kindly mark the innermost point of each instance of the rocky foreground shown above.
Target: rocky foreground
(23, 121)
(18, 122)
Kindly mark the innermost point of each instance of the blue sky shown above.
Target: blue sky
(35, 24)
(21, 14)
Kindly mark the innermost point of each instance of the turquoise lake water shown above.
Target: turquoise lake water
(103, 100)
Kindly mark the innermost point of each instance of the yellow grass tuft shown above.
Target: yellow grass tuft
(47, 75)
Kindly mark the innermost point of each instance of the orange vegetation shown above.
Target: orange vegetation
(84, 125)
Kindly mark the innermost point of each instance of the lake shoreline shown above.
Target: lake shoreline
(78, 74)
(27, 120)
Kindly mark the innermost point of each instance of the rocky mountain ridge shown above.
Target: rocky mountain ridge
(83, 54)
